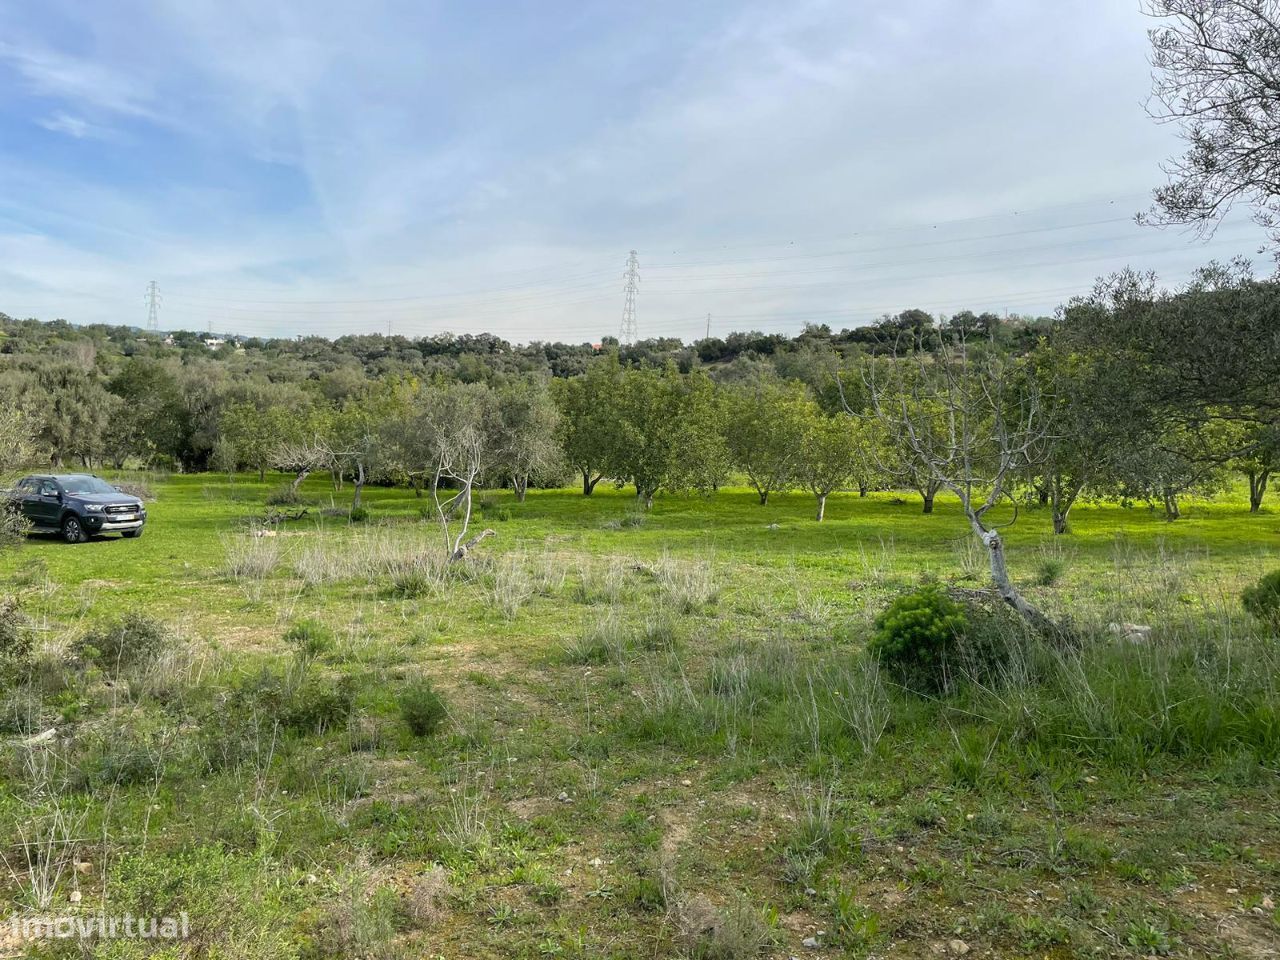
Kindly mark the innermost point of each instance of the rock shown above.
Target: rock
(563, 797)
(686, 783)
(810, 892)
(957, 948)
(810, 942)
(1268, 903)
(1233, 890)
(1133, 632)
(83, 866)
(75, 896)
(595, 862)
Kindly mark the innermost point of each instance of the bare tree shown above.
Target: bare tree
(302, 458)
(1216, 73)
(968, 420)
(460, 459)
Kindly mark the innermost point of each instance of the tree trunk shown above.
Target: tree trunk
(1171, 509)
(862, 488)
(1042, 495)
(297, 481)
(928, 501)
(1257, 489)
(1060, 521)
(822, 506)
(764, 497)
(588, 483)
(1004, 586)
(262, 473)
(359, 486)
(521, 485)
(647, 497)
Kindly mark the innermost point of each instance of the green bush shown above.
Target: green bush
(358, 514)
(918, 636)
(320, 704)
(312, 638)
(125, 641)
(1263, 600)
(422, 708)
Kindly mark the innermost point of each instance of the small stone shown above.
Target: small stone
(970, 816)
(957, 948)
(312, 878)
(1233, 890)
(595, 862)
(686, 783)
(75, 896)
(83, 866)
(810, 892)
(563, 797)
(1268, 903)
(810, 942)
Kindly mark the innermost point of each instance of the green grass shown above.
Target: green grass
(655, 741)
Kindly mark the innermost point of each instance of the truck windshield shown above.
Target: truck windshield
(86, 485)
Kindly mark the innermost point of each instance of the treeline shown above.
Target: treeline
(1148, 394)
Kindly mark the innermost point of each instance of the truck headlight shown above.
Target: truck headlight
(93, 507)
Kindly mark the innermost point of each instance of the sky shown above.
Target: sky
(306, 167)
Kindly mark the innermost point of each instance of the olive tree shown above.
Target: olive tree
(17, 448)
(763, 425)
(827, 455)
(587, 427)
(523, 432)
(1217, 78)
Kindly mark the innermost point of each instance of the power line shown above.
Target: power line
(632, 276)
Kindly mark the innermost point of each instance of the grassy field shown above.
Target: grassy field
(662, 737)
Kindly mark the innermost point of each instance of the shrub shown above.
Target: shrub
(124, 642)
(283, 496)
(320, 704)
(1263, 600)
(15, 634)
(312, 638)
(358, 514)
(917, 636)
(422, 708)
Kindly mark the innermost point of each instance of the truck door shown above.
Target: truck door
(46, 507)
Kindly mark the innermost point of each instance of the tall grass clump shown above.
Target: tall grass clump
(686, 587)
(1191, 695)
(251, 559)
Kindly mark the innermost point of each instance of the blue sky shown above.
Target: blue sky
(294, 167)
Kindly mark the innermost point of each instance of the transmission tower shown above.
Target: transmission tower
(153, 300)
(632, 276)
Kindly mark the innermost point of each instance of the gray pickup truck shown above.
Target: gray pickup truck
(76, 506)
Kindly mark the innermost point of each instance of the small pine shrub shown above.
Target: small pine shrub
(916, 637)
(1262, 600)
(422, 708)
(358, 514)
(311, 638)
(126, 641)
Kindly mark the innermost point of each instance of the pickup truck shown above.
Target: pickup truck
(76, 506)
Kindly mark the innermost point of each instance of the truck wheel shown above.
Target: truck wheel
(131, 534)
(73, 531)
